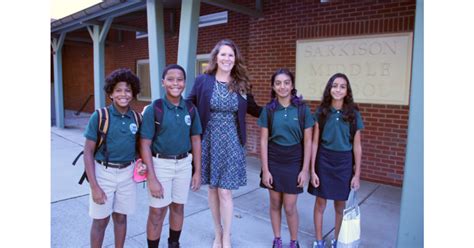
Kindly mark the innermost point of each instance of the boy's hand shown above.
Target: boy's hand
(98, 195)
(196, 182)
(156, 189)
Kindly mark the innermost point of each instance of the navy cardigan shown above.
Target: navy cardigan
(201, 97)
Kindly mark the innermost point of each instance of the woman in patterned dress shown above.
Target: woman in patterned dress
(222, 96)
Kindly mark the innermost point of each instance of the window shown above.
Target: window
(143, 72)
(201, 63)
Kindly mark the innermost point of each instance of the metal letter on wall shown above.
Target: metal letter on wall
(378, 66)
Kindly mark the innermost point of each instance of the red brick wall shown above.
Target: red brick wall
(272, 44)
(269, 43)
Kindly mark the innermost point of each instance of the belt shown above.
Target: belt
(175, 157)
(114, 165)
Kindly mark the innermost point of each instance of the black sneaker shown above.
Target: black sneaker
(173, 244)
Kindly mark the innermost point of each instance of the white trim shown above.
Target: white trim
(204, 21)
(213, 19)
(140, 35)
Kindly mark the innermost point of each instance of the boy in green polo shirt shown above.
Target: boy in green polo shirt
(166, 154)
(110, 169)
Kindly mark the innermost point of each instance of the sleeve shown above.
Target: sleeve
(262, 120)
(193, 94)
(252, 107)
(147, 130)
(91, 130)
(309, 119)
(360, 123)
(196, 127)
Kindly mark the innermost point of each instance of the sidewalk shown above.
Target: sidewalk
(251, 227)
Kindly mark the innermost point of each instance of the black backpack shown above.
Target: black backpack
(103, 124)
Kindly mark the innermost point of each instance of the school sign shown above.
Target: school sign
(378, 66)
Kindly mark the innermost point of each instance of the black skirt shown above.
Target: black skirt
(284, 163)
(334, 170)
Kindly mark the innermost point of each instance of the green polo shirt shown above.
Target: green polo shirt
(120, 136)
(286, 129)
(175, 131)
(336, 134)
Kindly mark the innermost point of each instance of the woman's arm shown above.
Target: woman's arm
(252, 107)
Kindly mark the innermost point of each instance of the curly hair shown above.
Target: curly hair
(295, 100)
(348, 106)
(122, 75)
(241, 82)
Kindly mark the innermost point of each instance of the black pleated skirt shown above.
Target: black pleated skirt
(334, 169)
(284, 163)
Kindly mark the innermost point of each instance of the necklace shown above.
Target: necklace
(221, 89)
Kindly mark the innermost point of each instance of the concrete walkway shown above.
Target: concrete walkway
(251, 227)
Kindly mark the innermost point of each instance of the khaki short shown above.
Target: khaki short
(175, 178)
(120, 189)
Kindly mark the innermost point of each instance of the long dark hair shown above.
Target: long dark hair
(241, 82)
(295, 100)
(348, 106)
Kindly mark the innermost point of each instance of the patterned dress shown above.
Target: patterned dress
(223, 156)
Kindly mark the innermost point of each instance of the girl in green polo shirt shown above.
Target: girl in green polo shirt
(286, 127)
(336, 152)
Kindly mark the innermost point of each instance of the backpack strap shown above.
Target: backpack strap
(138, 118)
(158, 112)
(270, 113)
(321, 123)
(103, 127)
(302, 119)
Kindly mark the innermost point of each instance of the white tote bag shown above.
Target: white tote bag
(349, 235)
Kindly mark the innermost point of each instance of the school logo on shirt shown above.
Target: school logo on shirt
(187, 120)
(133, 128)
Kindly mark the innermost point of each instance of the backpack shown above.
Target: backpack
(301, 117)
(103, 128)
(158, 111)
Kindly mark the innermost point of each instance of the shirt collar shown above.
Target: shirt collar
(333, 110)
(169, 105)
(280, 107)
(114, 111)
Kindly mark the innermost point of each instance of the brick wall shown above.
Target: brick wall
(269, 43)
